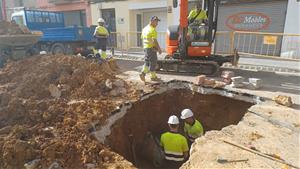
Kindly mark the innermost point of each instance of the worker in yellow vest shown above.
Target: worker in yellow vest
(175, 145)
(197, 15)
(151, 47)
(192, 127)
(101, 33)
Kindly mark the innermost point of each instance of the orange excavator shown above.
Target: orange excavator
(189, 44)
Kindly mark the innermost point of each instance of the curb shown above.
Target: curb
(227, 65)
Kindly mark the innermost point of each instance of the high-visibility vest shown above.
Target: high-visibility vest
(202, 15)
(174, 145)
(193, 131)
(101, 31)
(148, 35)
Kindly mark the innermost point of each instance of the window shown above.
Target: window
(19, 20)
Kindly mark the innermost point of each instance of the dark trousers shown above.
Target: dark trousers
(168, 164)
(101, 44)
(150, 58)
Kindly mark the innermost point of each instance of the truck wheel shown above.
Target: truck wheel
(57, 49)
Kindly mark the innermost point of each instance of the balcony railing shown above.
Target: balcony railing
(62, 1)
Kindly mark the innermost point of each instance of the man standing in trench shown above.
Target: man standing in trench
(192, 127)
(174, 145)
(151, 47)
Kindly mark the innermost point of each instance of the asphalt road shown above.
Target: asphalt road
(273, 82)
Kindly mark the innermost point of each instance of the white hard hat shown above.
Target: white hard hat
(186, 113)
(173, 120)
(101, 20)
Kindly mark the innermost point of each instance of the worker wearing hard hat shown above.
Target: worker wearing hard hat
(197, 14)
(101, 33)
(192, 127)
(151, 47)
(174, 144)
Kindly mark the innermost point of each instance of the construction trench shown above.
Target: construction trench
(133, 130)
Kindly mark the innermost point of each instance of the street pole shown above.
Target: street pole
(4, 10)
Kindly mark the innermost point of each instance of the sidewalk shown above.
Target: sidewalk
(245, 62)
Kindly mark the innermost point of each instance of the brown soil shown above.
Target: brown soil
(8, 28)
(36, 125)
(151, 115)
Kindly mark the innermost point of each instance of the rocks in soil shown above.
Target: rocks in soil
(199, 80)
(202, 80)
(8, 28)
(237, 82)
(32, 164)
(226, 76)
(283, 100)
(47, 105)
(54, 91)
(255, 83)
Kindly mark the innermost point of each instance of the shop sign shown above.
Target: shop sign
(270, 40)
(248, 21)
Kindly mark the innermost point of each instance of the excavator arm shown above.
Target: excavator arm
(194, 56)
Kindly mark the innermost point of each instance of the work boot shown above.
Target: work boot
(142, 77)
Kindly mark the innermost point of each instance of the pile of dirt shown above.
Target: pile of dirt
(47, 105)
(11, 28)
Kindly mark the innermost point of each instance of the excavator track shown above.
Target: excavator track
(209, 68)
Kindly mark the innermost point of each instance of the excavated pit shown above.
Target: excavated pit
(129, 129)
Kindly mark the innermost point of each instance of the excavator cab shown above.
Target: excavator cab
(189, 44)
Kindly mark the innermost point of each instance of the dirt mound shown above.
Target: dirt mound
(11, 28)
(47, 105)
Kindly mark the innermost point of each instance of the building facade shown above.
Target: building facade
(269, 16)
(76, 12)
(11, 6)
(129, 17)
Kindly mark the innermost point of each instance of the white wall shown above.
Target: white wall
(128, 10)
(291, 44)
(292, 21)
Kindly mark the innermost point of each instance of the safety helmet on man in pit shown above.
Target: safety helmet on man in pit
(186, 113)
(173, 120)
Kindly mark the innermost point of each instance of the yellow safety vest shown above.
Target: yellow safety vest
(174, 145)
(193, 131)
(202, 15)
(148, 35)
(101, 31)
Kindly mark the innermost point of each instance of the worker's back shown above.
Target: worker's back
(174, 145)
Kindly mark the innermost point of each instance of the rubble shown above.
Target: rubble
(237, 82)
(199, 80)
(283, 100)
(255, 83)
(226, 76)
(202, 80)
(10, 28)
(47, 105)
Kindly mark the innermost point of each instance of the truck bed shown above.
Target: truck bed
(67, 34)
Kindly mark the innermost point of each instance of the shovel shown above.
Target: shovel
(223, 161)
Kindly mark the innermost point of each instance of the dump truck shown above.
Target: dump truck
(15, 41)
(57, 37)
